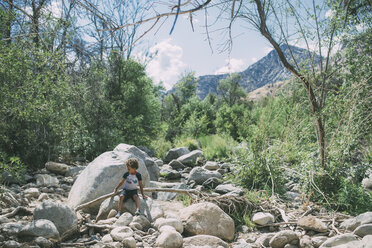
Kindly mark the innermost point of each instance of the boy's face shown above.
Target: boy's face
(131, 170)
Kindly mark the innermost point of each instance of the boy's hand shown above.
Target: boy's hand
(144, 197)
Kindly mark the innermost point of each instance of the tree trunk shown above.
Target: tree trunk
(314, 106)
(9, 23)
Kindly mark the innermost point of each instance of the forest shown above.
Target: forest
(63, 98)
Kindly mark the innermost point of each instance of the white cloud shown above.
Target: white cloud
(167, 64)
(254, 60)
(330, 13)
(232, 65)
(267, 50)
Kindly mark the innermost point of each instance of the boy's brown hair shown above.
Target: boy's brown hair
(132, 162)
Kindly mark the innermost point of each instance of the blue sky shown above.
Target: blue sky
(185, 50)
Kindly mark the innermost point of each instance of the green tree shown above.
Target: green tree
(230, 89)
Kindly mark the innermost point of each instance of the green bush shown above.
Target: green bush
(352, 198)
(217, 147)
(191, 144)
(11, 166)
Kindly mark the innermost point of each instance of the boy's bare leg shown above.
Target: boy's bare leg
(121, 202)
(136, 200)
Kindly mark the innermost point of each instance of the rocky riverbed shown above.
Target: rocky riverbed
(43, 211)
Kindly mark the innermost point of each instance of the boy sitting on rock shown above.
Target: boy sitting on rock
(131, 180)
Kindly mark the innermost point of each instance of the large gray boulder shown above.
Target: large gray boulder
(200, 175)
(40, 228)
(63, 217)
(207, 218)
(339, 240)
(104, 173)
(57, 168)
(352, 223)
(152, 168)
(204, 241)
(175, 153)
(189, 159)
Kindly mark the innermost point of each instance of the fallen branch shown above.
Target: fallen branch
(103, 226)
(279, 224)
(22, 210)
(101, 198)
(282, 213)
(79, 244)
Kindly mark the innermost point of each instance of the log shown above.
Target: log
(101, 198)
(80, 244)
(21, 209)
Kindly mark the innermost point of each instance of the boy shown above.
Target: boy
(131, 179)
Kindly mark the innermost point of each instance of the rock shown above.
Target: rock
(145, 223)
(152, 168)
(168, 173)
(212, 183)
(176, 223)
(228, 188)
(156, 211)
(211, 165)
(107, 238)
(43, 242)
(367, 183)
(43, 197)
(169, 239)
(293, 196)
(175, 153)
(339, 240)
(56, 168)
(206, 241)
(11, 244)
(46, 180)
(136, 226)
(176, 165)
(200, 175)
(129, 242)
(207, 218)
(11, 228)
(112, 213)
(106, 206)
(40, 228)
(124, 220)
(63, 217)
(120, 233)
(74, 171)
(159, 162)
(102, 175)
(312, 223)
(318, 241)
(352, 223)
(190, 159)
(4, 219)
(32, 193)
(167, 196)
(264, 240)
(305, 242)
(263, 218)
(241, 244)
(282, 238)
(363, 230)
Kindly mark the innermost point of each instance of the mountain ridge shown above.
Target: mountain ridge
(267, 70)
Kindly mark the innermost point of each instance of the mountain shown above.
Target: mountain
(267, 70)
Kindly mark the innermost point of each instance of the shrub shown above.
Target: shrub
(11, 166)
(191, 144)
(217, 147)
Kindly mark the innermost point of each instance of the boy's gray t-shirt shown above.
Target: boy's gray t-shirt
(131, 180)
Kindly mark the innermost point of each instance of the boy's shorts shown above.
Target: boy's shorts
(129, 193)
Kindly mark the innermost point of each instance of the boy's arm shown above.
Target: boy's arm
(121, 183)
(141, 188)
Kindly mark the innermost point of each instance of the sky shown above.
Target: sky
(187, 51)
